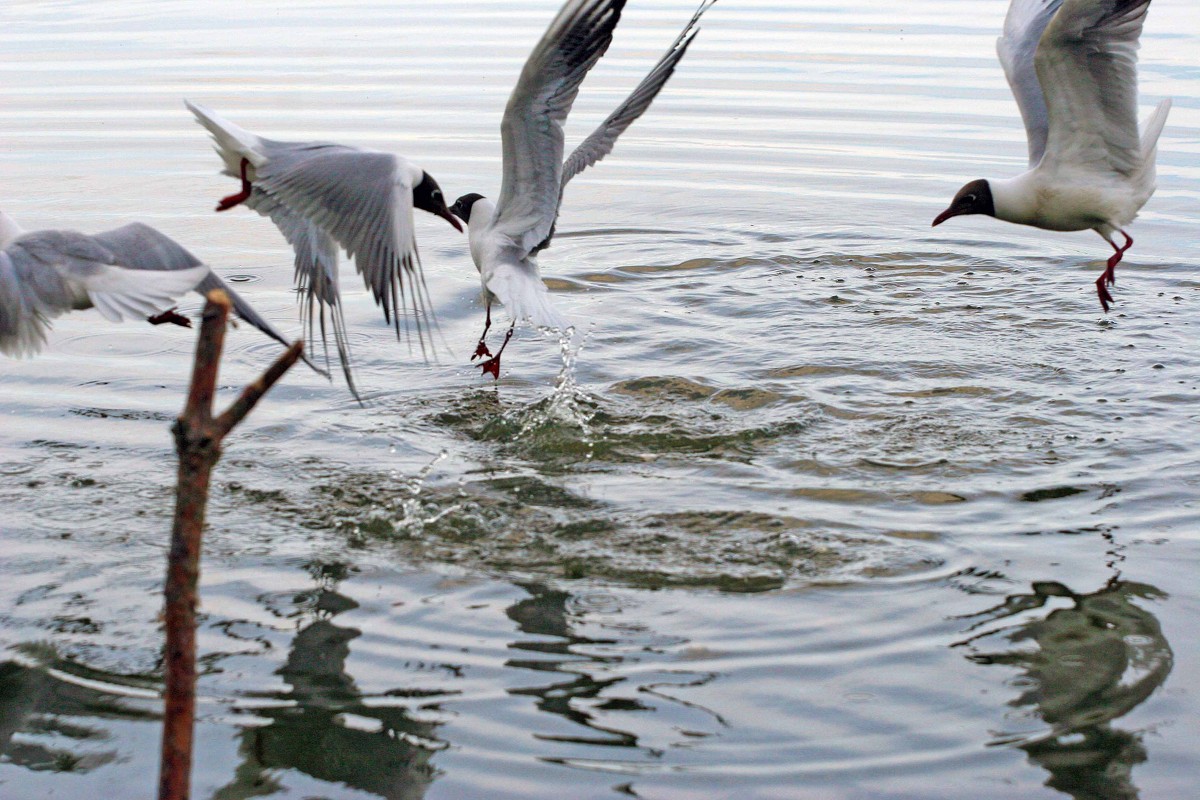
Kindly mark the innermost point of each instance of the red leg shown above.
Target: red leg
(170, 316)
(1109, 276)
(481, 349)
(492, 365)
(232, 200)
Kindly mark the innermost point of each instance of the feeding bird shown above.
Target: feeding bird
(132, 271)
(506, 236)
(1072, 66)
(321, 195)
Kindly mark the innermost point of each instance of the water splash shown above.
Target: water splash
(562, 421)
(413, 513)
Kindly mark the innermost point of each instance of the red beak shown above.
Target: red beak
(945, 215)
(445, 214)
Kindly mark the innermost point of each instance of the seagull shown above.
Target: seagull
(1072, 65)
(130, 272)
(505, 237)
(321, 195)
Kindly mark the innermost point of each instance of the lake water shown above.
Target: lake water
(824, 503)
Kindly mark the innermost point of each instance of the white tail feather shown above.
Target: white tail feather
(1152, 128)
(525, 297)
(233, 143)
(1144, 179)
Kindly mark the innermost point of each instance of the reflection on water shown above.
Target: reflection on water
(323, 726)
(1088, 662)
(586, 686)
(36, 727)
(596, 689)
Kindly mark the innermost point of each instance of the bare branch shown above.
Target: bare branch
(254, 392)
(198, 438)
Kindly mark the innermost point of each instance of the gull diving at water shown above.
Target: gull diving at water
(131, 272)
(1072, 65)
(321, 195)
(506, 237)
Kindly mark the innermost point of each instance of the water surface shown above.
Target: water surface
(822, 503)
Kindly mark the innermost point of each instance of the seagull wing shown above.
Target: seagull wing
(47, 273)
(532, 129)
(600, 143)
(316, 276)
(140, 247)
(360, 199)
(1023, 28)
(1086, 63)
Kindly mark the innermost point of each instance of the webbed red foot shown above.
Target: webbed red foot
(1102, 292)
(481, 350)
(491, 366)
(170, 316)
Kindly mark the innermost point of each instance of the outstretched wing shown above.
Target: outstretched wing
(140, 247)
(47, 273)
(1087, 66)
(1023, 29)
(363, 201)
(321, 195)
(601, 141)
(532, 129)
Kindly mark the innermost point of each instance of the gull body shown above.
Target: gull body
(323, 196)
(130, 272)
(506, 236)
(1072, 68)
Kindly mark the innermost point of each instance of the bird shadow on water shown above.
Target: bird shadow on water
(316, 725)
(323, 724)
(1092, 659)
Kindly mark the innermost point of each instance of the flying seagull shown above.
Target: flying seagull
(321, 195)
(506, 237)
(130, 272)
(1072, 65)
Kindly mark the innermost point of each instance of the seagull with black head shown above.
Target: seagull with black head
(321, 195)
(506, 236)
(1072, 65)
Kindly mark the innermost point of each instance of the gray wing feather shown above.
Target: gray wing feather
(362, 201)
(46, 273)
(1023, 28)
(600, 143)
(138, 246)
(316, 276)
(30, 296)
(602, 140)
(532, 128)
(1087, 66)
(76, 253)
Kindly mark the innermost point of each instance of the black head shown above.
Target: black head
(462, 206)
(974, 198)
(427, 196)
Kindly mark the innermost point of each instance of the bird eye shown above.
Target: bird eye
(969, 198)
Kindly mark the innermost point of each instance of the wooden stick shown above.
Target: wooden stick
(198, 438)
